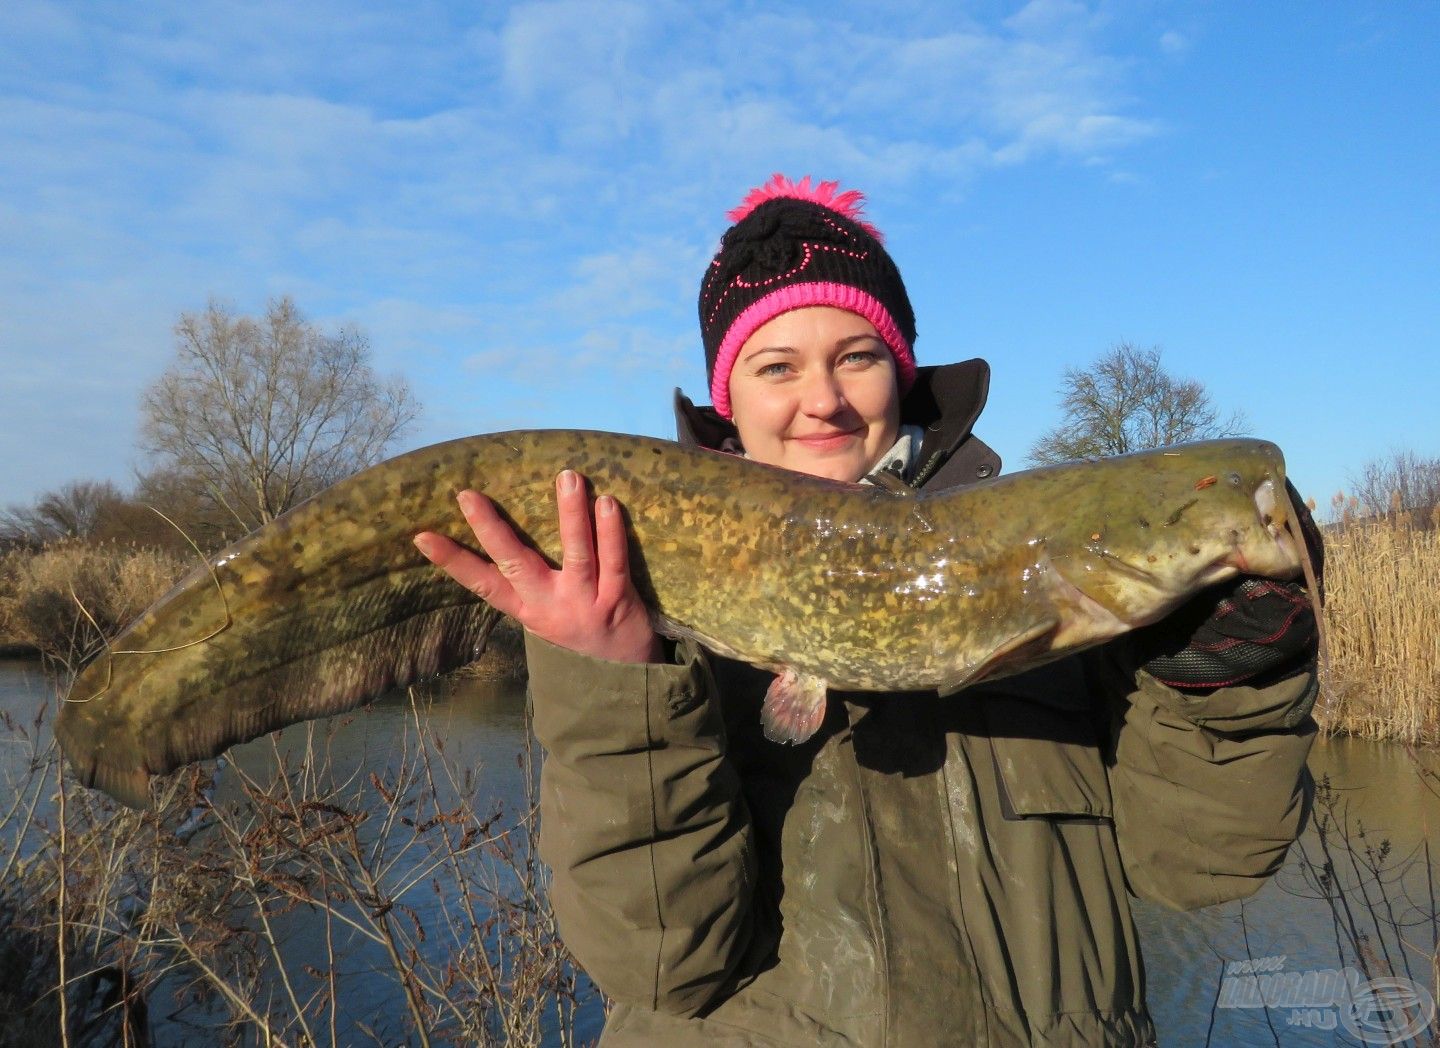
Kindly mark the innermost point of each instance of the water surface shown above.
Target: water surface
(1380, 798)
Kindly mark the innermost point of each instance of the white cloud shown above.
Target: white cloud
(1051, 18)
(820, 89)
(583, 55)
(497, 358)
(464, 181)
(1174, 43)
(652, 274)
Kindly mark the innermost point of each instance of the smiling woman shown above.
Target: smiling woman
(912, 870)
(815, 390)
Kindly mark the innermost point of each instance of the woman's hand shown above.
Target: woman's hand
(589, 605)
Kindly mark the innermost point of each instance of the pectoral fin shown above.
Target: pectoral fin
(794, 707)
(1012, 656)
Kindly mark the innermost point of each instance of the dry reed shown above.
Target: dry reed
(191, 909)
(63, 598)
(1382, 621)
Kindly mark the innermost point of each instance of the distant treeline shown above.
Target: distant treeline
(164, 512)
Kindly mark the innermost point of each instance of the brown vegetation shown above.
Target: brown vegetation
(1402, 482)
(1382, 624)
(504, 657)
(64, 599)
(1382, 903)
(164, 512)
(410, 892)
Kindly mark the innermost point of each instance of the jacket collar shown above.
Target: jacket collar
(945, 401)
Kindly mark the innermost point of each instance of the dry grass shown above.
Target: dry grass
(61, 599)
(189, 911)
(1382, 620)
(105, 911)
(1381, 899)
(58, 602)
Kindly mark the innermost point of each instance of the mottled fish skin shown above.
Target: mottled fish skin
(331, 604)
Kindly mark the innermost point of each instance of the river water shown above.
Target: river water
(1200, 990)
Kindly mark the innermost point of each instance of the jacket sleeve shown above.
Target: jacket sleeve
(643, 825)
(1209, 789)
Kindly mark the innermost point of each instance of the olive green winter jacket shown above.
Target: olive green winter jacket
(923, 871)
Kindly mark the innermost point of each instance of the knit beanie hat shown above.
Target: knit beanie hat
(794, 245)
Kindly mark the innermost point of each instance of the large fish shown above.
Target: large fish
(827, 584)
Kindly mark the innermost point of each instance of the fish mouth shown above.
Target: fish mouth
(1279, 520)
(1247, 551)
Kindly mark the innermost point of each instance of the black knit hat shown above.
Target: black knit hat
(795, 245)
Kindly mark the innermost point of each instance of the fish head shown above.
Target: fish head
(1155, 527)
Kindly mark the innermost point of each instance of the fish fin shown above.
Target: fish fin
(794, 707)
(128, 785)
(1008, 657)
(116, 737)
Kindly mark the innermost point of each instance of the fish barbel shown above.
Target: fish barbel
(825, 583)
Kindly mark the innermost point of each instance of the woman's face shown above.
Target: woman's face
(814, 390)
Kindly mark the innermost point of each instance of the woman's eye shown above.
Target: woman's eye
(860, 357)
(773, 370)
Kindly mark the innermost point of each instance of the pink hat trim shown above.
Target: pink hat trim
(798, 296)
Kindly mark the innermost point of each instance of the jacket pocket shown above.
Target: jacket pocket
(1047, 747)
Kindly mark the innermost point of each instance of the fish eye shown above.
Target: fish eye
(1234, 479)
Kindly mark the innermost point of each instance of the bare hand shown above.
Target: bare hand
(589, 605)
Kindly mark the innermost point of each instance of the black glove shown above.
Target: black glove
(1249, 630)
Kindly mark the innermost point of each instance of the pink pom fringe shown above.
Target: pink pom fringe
(850, 203)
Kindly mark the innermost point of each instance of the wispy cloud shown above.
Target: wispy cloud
(1173, 42)
(464, 180)
(821, 87)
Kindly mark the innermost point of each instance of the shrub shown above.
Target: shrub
(67, 598)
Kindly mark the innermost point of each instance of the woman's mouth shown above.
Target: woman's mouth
(827, 441)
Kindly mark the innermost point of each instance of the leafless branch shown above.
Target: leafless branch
(262, 413)
(1126, 401)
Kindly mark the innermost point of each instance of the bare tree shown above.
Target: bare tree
(262, 413)
(1126, 401)
(78, 510)
(190, 514)
(1403, 482)
(165, 512)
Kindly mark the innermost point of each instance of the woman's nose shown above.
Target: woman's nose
(823, 396)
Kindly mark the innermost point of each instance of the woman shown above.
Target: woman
(920, 871)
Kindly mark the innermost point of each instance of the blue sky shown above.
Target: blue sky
(516, 201)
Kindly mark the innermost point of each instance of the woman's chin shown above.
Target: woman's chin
(846, 468)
